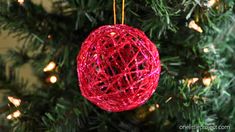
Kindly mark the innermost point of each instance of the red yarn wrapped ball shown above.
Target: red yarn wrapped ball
(118, 68)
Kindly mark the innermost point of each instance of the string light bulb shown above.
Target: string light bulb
(51, 66)
(53, 79)
(49, 36)
(15, 114)
(9, 117)
(152, 108)
(21, 2)
(207, 80)
(205, 50)
(192, 81)
(193, 25)
(14, 101)
(157, 106)
(210, 3)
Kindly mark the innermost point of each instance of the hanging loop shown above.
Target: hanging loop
(123, 11)
(115, 12)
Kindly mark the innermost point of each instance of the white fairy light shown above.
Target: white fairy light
(15, 114)
(21, 2)
(53, 79)
(194, 26)
(50, 67)
(14, 101)
(210, 3)
(205, 50)
(152, 108)
(192, 81)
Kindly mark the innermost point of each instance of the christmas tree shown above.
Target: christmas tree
(195, 40)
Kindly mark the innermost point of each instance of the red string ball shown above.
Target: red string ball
(118, 68)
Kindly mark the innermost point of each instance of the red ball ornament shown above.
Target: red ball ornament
(118, 68)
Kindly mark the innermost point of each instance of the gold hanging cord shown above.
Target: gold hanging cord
(115, 14)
